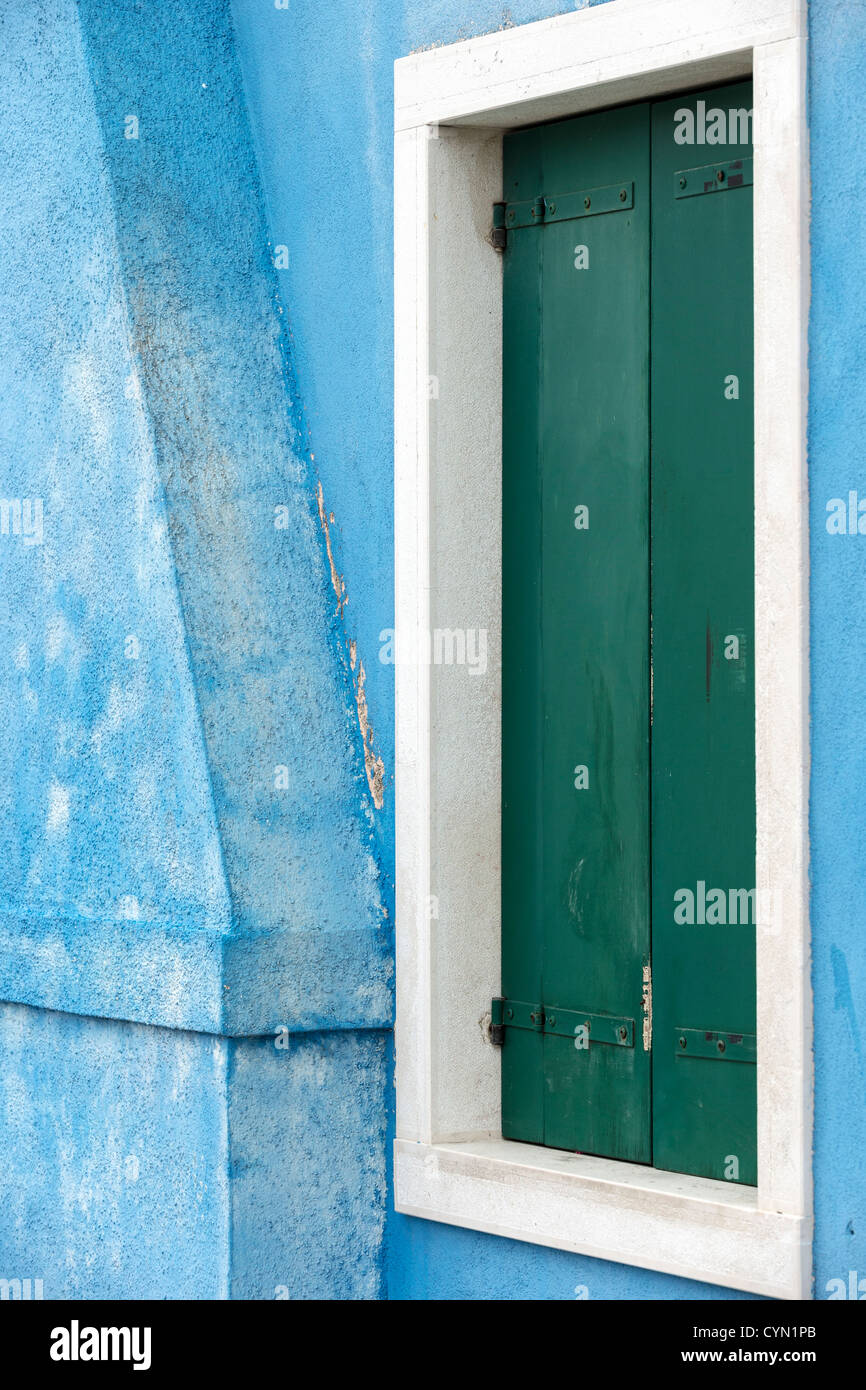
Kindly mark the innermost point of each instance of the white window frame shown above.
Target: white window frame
(452, 106)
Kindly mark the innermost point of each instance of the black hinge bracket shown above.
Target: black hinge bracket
(498, 235)
(713, 178)
(715, 1046)
(581, 1027)
(561, 207)
(497, 1027)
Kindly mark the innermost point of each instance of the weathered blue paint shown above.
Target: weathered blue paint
(319, 82)
(307, 1171)
(837, 424)
(115, 1180)
(172, 643)
(143, 1162)
(162, 436)
(163, 387)
(109, 817)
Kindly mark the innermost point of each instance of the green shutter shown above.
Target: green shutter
(602, 816)
(703, 744)
(576, 645)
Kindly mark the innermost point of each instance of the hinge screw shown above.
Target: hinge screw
(509, 1013)
(721, 1044)
(622, 195)
(720, 176)
(551, 207)
(682, 183)
(623, 1034)
(551, 1020)
(586, 202)
(682, 1042)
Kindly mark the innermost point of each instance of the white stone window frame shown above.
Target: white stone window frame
(452, 106)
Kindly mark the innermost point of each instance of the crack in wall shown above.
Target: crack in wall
(374, 766)
(336, 579)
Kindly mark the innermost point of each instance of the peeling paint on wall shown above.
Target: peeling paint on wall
(374, 766)
(337, 583)
(372, 762)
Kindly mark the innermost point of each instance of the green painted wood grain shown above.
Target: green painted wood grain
(703, 740)
(584, 381)
(614, 400)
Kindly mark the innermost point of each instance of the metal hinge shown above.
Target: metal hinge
(582, 1028)
(561, 207)
(715, 1046)
(647, 1005)
(498, 236)
(712, 178)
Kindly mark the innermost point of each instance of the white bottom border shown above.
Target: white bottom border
(696, 1228)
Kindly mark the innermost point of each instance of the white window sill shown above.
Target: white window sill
(693, 1227)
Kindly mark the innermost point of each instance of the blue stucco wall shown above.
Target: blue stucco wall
(108, 814)
(308, 1174)
(195, 759)
(166, 383)
(319, 83)
(146, 1162)
(114, 1181)
(338, 63)
(191, 838)
(837, 423)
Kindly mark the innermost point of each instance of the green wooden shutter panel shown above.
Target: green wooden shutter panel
(628, 696)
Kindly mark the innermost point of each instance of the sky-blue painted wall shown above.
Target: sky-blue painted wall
(837, 428)
(164, 388)
(319, 84)
(114, 1182)
(191, 839)
(336, 61)
(148, 1162)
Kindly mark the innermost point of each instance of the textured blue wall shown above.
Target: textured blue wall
(191, 835)
(837, 427)
(114, 1181)
(143, 1162)
(319, 83)
(196, 761)
(108, 814)
(308, 1176)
